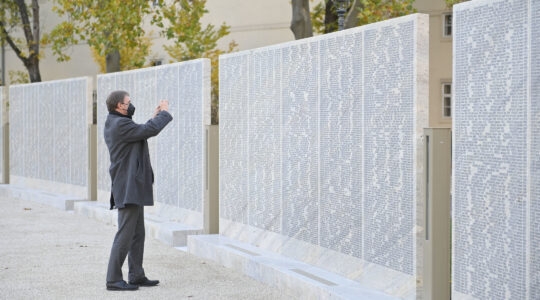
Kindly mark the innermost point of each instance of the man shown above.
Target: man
(132, 179)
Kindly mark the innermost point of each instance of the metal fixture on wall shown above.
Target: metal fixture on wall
(341, 10)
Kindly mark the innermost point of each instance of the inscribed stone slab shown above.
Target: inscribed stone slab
(319, 147)
(495, 151)
(49, 134)
(177, 153)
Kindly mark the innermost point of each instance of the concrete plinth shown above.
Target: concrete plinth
(60, 201)
(306, 281)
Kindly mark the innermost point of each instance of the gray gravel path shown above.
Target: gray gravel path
(46, 253)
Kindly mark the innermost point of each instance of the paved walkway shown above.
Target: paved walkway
(46, 253)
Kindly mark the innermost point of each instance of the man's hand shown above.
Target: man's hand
(163, 105)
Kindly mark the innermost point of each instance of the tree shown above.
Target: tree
(130, 58)
(18, 77)
(19, 19)
(450, 3)
(378, 10)
(180, 22)
(108, 26)
(359, 12)
(325, 18)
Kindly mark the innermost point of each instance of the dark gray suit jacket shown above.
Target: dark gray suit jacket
(131, 173)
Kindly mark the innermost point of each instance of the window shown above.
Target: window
(447, 25)
(156, 62)
(447, 99)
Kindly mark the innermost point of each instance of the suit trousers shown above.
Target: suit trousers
(128, 241)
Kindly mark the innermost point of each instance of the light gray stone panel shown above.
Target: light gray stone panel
(234, 79)
(105, 85)
(46, 108)
(31, 168)
(339, 116)
(49, 131)
(16, 159)
(490, 114)
(534, 218)
(341, 143)
(167, 176)
(265, 140)
(3, 138)
(177, 153)
(389, 140)
(79, 151)
(191, 128)
(300, 140)
(62, 145)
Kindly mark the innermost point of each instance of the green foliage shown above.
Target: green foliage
(317, 19)
(369, 11)
(130, 58)
(106, 25)
(18, 77)
(180, 21)
(379, 10)
(190, 39)
(450, 3)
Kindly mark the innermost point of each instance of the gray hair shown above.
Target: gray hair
(115, 98)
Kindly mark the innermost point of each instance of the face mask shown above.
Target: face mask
(130, 110)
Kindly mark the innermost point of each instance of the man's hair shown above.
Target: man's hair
(115, 98)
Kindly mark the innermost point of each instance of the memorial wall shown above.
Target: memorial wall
(177, 153)
(496, 150)
(49, 123)
(3, 139)
(321, 150)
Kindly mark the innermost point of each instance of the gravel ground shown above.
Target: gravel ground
(46, 253)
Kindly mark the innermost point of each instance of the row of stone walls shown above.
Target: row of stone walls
(496, 150)
(321, 148)
(49, 123)
(177, 153)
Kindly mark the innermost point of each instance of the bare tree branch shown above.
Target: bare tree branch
(36, 35)
(11, 43)
(25, 21)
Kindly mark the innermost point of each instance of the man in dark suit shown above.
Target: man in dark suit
(132, 179)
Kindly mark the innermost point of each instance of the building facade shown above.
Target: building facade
(440, 61)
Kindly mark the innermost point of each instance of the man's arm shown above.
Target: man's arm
(132, 132)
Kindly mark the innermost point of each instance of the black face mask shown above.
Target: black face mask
(130, 110)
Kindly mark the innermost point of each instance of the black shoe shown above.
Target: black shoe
(121, 286)
(144, 282)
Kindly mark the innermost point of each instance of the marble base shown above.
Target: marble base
(60, 201)
(98, 211)
(306, 281)
(173, 234)
(54, 187)
(167, 216)
(170, 233)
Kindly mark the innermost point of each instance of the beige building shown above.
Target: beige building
(257, 24)
(440, 61)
